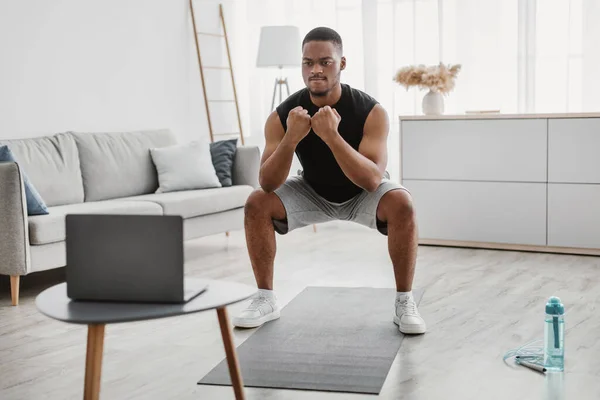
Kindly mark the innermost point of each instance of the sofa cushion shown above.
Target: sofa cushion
(185, 166)
(50, 228)
(52, 165)
(35, 203)
(223, 154)
(193, 203)
(118, 164)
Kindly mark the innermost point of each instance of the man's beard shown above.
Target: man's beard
(322, 93)
(325, 92)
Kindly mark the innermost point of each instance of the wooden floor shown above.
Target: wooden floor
(477, 304)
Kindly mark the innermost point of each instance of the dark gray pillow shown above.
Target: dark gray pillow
(223, 153)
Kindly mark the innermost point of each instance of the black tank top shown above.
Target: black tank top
(320, 169)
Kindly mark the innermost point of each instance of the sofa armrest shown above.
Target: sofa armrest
(14, 231)
(246, 166)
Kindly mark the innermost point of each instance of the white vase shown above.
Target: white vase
(433, 103)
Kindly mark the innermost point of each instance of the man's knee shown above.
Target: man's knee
(255, 203)
(396, 205)
(261, 203)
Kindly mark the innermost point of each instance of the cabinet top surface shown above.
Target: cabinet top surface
(496, 116)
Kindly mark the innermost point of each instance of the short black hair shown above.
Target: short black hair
(324, 34)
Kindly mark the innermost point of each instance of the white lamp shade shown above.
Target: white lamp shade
(279, 47)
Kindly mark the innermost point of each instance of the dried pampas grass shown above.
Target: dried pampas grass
(439, 78)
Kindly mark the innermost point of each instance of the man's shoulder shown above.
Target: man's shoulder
(363, 103)
(360, 95)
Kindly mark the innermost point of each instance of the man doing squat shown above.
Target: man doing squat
(340, 137)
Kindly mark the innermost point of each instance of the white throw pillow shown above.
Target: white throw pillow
(185, 166)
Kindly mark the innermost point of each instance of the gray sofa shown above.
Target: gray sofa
(80, 172)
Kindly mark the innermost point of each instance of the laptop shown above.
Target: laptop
(127, 258)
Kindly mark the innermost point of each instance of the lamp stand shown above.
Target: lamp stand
(279, 82)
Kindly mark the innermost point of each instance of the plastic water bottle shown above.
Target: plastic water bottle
(554, 331)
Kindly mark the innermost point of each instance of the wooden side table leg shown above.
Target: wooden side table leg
(232, 360)
(93, 361)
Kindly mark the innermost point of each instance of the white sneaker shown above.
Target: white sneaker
(261, 310)
(407, 316)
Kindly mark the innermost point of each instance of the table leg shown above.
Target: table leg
(232, 360)
(93, 361)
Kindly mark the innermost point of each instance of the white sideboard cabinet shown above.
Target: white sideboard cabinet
(520, 182)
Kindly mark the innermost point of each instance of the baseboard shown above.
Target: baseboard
(513, 247)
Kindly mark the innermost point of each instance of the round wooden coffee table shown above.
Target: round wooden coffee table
(54, 303)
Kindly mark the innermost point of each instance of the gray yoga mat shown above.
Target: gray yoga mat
(327, 339)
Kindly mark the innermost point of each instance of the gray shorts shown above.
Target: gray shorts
(303, 206)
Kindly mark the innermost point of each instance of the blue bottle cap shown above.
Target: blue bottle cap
(554, 306)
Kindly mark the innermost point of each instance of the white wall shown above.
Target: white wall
(591, 56)
(99, 65)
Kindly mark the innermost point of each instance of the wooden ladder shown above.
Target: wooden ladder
(207, 100)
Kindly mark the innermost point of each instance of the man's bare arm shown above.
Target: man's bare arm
(280, 146)
(365, 167)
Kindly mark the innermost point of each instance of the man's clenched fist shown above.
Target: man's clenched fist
(325, 123)
(298, 124)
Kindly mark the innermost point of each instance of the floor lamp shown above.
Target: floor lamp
(279, 47)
